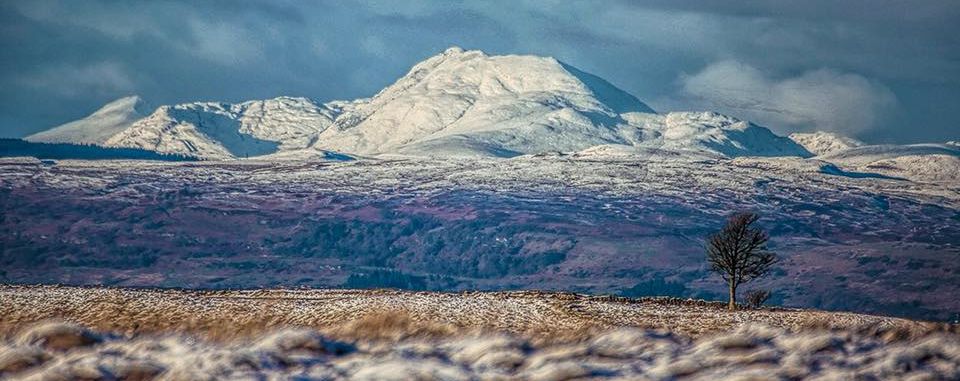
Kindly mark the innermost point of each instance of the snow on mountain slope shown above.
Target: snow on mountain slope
(223, 131)
(940, 168)
(468, 103)
(708, 132)
(615, 152)
(99, 126)
(919, 162)
(821, 143)
(868, 154)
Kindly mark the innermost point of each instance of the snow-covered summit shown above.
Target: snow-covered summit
(821, 143)
(468, 103)
(99, 126)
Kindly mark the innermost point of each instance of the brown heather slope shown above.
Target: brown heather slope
(386, 313)
(876, 246)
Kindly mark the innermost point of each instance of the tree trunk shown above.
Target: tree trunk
(732, 306)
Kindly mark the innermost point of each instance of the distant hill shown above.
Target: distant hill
(822, 143)
(19, 147)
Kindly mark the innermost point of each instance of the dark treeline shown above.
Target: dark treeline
(388, 278)
(57, 151)
(657, 287)
(422, 243)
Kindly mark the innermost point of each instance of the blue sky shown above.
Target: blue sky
(884, 71)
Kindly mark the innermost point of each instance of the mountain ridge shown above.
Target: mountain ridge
(458, 103)
(215, 130)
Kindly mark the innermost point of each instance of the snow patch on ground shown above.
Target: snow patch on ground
(748, 352)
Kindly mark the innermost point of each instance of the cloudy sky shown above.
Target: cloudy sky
(883, 71)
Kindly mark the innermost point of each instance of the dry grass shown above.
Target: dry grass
(391, 326)
(390, 335)
(749, 352)
(386, 314)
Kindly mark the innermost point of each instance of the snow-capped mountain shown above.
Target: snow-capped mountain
(222, 131)
(96, 128)
(456, 104)
(822, 143)
(466, 103)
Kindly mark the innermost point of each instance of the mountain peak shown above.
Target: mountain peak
(463, 99)
(99, 126)
(453, 50)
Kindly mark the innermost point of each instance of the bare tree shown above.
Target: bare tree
(738, 252)
(756, 298)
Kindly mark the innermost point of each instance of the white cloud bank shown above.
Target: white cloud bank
(824, 99)
(78, 81)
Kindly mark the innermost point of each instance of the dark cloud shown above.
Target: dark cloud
(890, 68)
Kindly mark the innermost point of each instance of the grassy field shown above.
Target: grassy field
(52, 332)
(232, 314)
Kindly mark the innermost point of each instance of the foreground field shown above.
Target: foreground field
(350, 334)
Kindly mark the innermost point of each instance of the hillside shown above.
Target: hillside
(587, 222)
(67, 151)
(387, 335)
(917, 162)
